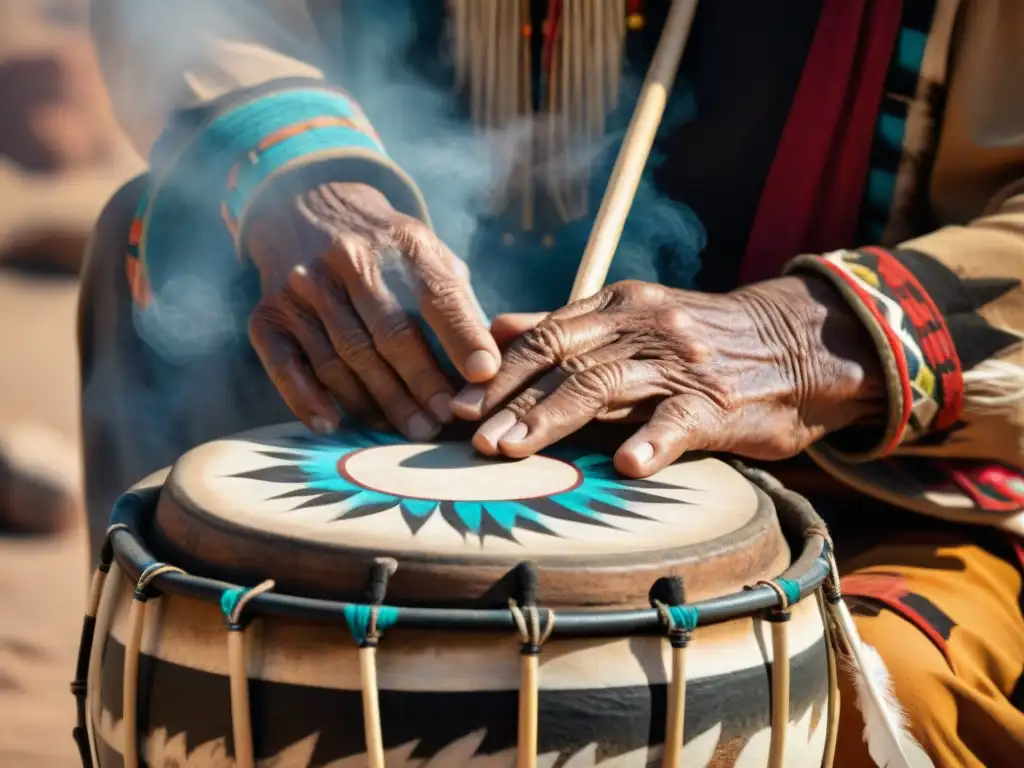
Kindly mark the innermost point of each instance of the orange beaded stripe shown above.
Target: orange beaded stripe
(137, 279)
(356, 123)
(134, 267)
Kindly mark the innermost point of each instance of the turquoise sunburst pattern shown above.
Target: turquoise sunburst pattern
(600, 498)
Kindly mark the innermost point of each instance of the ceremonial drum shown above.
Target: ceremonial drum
(288, 600)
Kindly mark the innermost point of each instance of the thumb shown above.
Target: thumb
(679, 425)
(507, 328)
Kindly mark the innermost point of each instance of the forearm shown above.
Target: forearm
(215, 96)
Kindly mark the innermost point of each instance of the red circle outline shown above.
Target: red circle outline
(343, 472)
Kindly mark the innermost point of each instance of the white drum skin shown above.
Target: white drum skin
(447, 700)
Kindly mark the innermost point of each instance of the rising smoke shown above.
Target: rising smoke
(376, 51)
(155, 55)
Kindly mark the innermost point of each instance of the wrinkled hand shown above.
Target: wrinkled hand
(329, 330)
(761, 372)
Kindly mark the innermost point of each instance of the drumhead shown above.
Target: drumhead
(313, 512)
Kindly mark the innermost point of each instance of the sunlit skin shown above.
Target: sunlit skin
(761, 372)
(328, 329)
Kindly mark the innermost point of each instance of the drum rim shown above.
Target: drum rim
(180, 496)
(759, 519)
(799, 521)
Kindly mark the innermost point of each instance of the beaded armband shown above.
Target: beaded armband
(239, 151)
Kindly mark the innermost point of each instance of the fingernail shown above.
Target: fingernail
(321, 425)
(419, 427)
(492, 430)
(641, 453)
(441, 407)
(481, 365)
(470, 400)
(516, 434)
(461, 269)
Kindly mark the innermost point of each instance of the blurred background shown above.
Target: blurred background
(61, 156)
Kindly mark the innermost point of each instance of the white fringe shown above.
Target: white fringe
(994, 385)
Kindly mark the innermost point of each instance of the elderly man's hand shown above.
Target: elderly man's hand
(761, 372)
(328, 329)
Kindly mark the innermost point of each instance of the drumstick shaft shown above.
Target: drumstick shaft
(526, 754)
(241, 718)
(780, 693)
(371, 707)
(673, 754)
(629, 166)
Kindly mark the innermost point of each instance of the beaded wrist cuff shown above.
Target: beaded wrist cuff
(236, 154)
(922, 368)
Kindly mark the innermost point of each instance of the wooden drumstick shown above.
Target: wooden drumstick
(629, 166)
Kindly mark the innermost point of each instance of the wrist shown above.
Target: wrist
(297, 223)
(835, 370)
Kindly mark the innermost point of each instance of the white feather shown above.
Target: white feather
(994, 385)
(885, 733)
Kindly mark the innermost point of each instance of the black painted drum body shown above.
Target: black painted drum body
(316, 514)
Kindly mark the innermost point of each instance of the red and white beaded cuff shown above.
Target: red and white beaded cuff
(923, 371)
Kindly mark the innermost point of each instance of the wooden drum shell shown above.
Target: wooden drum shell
(446, 699)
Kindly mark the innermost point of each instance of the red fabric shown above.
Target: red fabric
(812, 195)
(890, 590)
(1019, 550)
(836, 221)
(993, 487)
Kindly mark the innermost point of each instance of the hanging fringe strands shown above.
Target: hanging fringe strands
(583, 45)
(367, 623)
(79, 686)
(233, 603)
(788, 592)
(669, 598)
(636, 147)
(888, 741)
(132, 651)
(524, 108)
(527, 620)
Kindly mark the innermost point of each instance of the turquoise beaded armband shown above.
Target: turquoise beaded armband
(239, 152)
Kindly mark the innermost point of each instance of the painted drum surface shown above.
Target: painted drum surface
(283, 504)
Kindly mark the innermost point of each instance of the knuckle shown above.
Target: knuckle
(639, 291)
(266, 318)
(332, 370)
(362, 265)
(354, 347)
(523, 403)
(410, 233)
(300, 280)
(577, 364)
(543, 343)
(445, 292)
(299, 313)
(674, 321)
(595, 384)
(392, 334)
(681, 414)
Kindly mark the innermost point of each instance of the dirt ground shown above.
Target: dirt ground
(42, 581)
